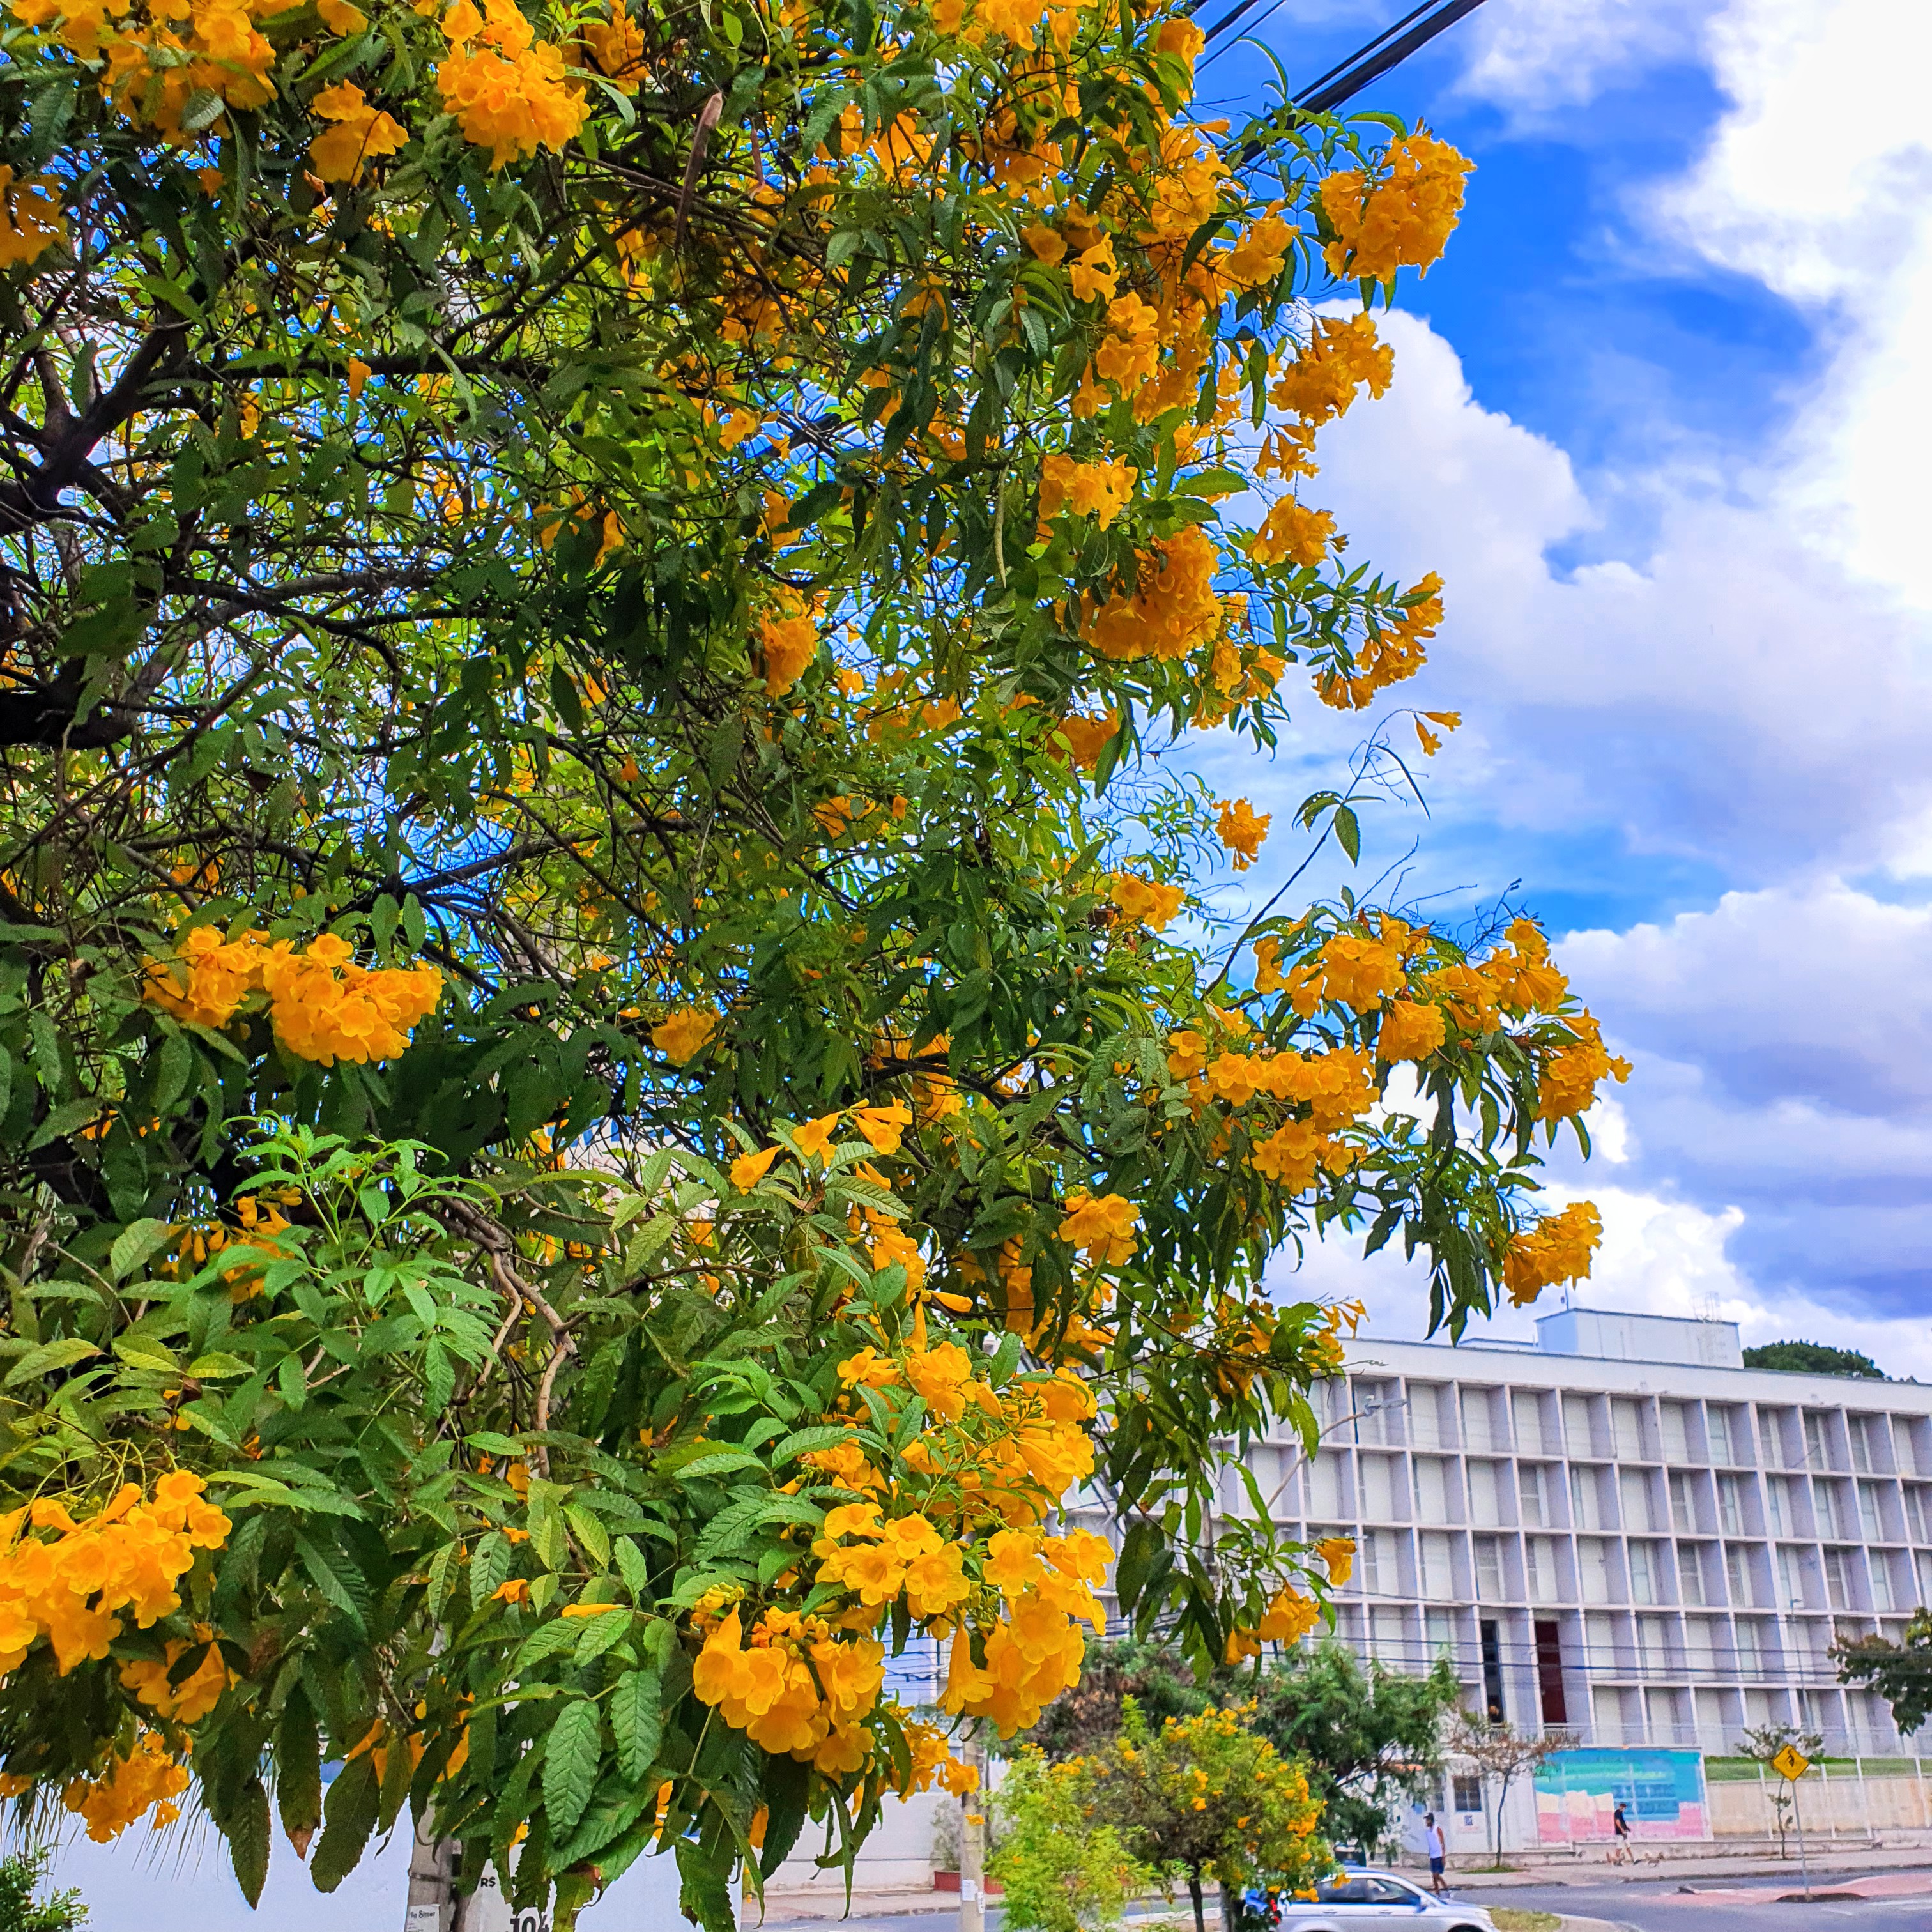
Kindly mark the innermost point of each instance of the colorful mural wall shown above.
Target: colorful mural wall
(1662, 1793)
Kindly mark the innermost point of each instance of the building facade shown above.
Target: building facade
(1621, 1533)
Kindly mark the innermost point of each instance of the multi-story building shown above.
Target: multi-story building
(1621, 1532)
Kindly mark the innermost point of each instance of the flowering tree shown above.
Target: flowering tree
(615, 1071)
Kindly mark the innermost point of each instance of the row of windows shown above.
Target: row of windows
(1628, 1429)
(1436, 1565)
(1494, 1494)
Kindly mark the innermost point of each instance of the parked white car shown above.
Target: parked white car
(1360, 1900)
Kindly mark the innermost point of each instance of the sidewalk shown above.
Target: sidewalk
(1842, 1861)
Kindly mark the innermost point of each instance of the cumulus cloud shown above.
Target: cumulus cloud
(1747, 688)
(1534, 57)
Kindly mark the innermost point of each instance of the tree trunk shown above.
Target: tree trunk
(972, 1837)
(1227, 1906)
(1194, 1893)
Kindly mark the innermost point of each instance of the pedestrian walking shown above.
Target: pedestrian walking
(1437, 1847)
(1620, 1850)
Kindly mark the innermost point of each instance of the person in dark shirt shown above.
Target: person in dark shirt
(1620, 1852)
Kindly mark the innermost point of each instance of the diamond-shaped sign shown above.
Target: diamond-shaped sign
(1791, 1762)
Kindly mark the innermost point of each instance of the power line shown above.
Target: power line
(1389, 49)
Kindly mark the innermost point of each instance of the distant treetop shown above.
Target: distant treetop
(1815, 1358)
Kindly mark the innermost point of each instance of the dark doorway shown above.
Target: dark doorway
(1492, 1670)
(1550, 1675)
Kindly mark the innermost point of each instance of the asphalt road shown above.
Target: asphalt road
(1641, 1906)
(1652, 1906)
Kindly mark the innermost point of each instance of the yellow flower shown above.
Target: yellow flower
(749, 1169)
(360, 132)
(815, 1137)
(684, 1035)
(1338, 1553)
(1046, 244)
(30, 221)
(1241, 831)
(883, 1127)
(1101, 1228)
(1401, 218)
(1145, 901)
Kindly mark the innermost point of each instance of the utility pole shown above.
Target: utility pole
(972, 1833)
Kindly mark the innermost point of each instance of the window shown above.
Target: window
(1643, 1568)
(1376, 1412)
(1586, 1498)
(1782, 1517)
(1673, 1432)
(1578, 1436)
(1387, 1636)
(1593, 1564)
(1469, 1792)
(1488, 1569)
(1432, 1489)
(1539, 1555)
(1700, 1646)
(1738, 1573)
(1325, 1492)
(1904, 1450)
(1478, 1419)
(1426, 1415)
(1639, 1515)
(1838, 1583)
(1438, 1570)
(1816, 1454)
(1381, 1571)
(1871, 1519)
(1690, 1573)
(1653, 1647)
(1379, 1489)
(1485, 1504)
(1730, 1506)
(1790, 1577)
(1884, 1596)
(1916, 1515)
(1924, 1567)
(1865, 1454)
(1439, 1628)
(1627, 1430)
(1750, 1647)
(1530, 1494)
(1683, 1514)
(1721, 1431)
(1826, 1509)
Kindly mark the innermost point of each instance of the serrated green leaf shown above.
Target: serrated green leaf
(570, 1758)
(637, 1716)
(603, 1632)
(135, 1244)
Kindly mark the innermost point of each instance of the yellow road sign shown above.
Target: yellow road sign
(1791, 1762)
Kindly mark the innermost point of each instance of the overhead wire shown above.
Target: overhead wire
(1367, 63)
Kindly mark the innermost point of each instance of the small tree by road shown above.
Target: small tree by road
(1501, 1754)
(1763, 1743)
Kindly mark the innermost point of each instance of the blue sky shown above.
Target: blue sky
(1658, 421)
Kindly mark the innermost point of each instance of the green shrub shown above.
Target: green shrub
(20, 1912)
(1063, 1871)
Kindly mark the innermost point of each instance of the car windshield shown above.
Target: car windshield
(1363, 1888)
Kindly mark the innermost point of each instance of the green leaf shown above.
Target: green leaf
(803, 1442)
(348, 1817)
(603, 1632)
(1349, 831)
(589, 1532)
(61, 1354)
(247, 1830)
(144, 1351)
(135, 1244)
(570, 1764)
(488, 1567)
(637, 1716)
(216, 1367)
(298, 1765)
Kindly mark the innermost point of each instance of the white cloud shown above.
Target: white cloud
(1532, 57)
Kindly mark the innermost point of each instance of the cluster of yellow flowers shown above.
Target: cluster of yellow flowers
(1558, 1248)
(1400, 215)
(1291, 1614)
(1035, 1650)
(128, 1556)
(1241, 830)
(359, 133)
(1101, 1227)
(251, 1244)
(147, 1777)
(1100, 490)
(1392, 651)
(1293, 532)
(683, 1037)
(508, 92)
(1145, 901)
(1173, 609)
(30, 221)
(789, 637)
(799, 1688)
(323, 1006)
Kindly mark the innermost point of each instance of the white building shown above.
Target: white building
(1621, 1532)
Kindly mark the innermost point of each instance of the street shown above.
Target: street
(1640, 1904)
